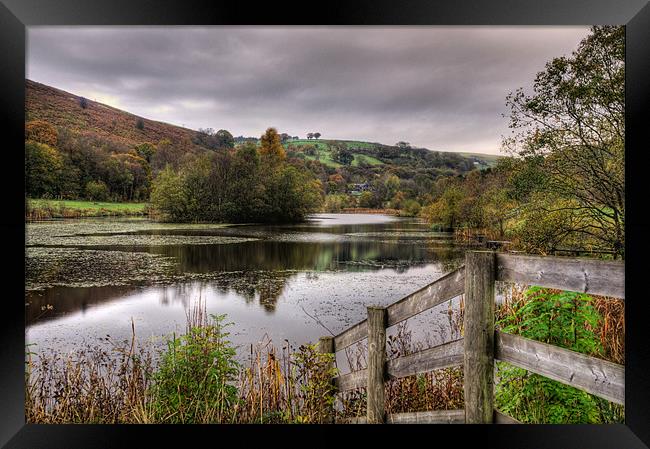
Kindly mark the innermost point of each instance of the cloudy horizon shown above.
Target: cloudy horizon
(439, 87)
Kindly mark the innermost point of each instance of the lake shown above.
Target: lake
(89, 278)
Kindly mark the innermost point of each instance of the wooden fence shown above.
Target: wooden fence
(481, 345)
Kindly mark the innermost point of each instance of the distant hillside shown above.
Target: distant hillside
(325, 148)
(86, 117)
(483, 160)
(378, 154)
(63, 109)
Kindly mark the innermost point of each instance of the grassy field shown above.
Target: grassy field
(485, 160)
(359, 158)
(325, 154)
(41, 209)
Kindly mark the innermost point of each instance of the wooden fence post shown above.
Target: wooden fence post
(377, 317)
(326, 346)
(479, 336)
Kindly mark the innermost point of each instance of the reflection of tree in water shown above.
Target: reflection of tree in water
(65, 300)
(254, 270)
(268, 255)
(265, 287)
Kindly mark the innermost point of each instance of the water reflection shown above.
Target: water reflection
(333, 266)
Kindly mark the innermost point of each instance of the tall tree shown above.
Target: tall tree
(271, 149)
(43, 165)
(574, 122)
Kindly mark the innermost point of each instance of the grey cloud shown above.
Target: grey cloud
(437, 87)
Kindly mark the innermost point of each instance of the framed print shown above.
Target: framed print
(377, 214)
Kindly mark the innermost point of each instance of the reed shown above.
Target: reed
(435, 390)
(100, 384)
(195, 380)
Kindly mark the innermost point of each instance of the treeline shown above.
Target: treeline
(563, 185)
(61, 164)
(242, 185)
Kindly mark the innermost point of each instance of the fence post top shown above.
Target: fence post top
(375, 307)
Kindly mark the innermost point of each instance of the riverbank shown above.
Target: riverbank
(41, 209)
(363, 210)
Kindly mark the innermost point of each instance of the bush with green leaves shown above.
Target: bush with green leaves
(564, 319)
(195, 379)
(97, 191)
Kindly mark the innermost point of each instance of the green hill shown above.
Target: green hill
(376, 154)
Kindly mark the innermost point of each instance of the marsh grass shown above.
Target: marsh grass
(194, 380)
(105, 383)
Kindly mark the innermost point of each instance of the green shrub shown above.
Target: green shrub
(410, 208)
(194, 382)
(564, 319)
(97, 191)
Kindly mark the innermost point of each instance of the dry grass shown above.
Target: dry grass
(611, 330)
(436, 390)
(101, 384)
(115, 383)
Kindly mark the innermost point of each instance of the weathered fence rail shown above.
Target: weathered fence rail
(481, 345)
(443, 289)
(597, 277)
(442, 356)
(595, 376)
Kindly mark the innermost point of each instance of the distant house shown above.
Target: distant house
(358, 189)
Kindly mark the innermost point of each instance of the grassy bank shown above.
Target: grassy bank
(40, 209)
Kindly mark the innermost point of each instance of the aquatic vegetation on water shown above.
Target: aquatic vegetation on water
(110, 240)
(52, 232)
(47, 267)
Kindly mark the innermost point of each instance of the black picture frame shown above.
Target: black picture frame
(15, 15)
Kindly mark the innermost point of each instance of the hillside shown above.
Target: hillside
(63, 109)
(324, 151)
(385, 157)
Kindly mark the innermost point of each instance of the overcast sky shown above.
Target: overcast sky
(441, 88)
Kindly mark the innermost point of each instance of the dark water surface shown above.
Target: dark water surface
(90, 278)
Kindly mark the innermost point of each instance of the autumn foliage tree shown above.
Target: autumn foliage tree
(271, 149)
(43, 168)
(247, 185)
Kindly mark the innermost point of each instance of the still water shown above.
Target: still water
(86, 279)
